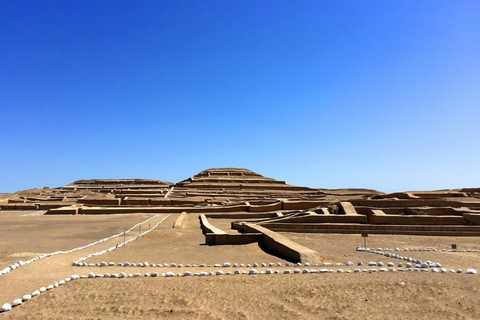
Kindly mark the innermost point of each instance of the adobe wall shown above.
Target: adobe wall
(232, 239)
(207, 227)
(280, 245)
(179, 222)
(301, 205)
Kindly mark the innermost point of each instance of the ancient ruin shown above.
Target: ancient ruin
(268, 226)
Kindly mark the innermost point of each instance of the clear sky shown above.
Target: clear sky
(374, 94)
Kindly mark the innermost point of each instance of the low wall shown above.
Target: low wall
(64, 210)
(207, 227)
(320, 218)
(472, 218)
(19, 206)
(280, 245)
(347, 208)
(300, 205)
(101, 202)
(241, 215)
(266, 207)
(455, 230)
(232, 239)
(179, 222)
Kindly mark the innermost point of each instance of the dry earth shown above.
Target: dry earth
(314, 296)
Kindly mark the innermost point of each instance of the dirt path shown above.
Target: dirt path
(44, 272)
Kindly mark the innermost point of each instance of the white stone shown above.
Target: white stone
(226, 264)
(26, 297)
(471, 271)
(17, 302)
(219, 273)
(35, 293)
(6, 307)
(286, 271)
(296, 271)
(170, 274)
(252, 271)
(306, 271)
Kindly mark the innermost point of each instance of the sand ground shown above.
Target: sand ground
(314, 296)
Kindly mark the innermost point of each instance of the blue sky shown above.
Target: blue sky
(374, 94)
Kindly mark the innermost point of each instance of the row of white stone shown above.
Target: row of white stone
(423, 264)
(228, 264)
(427, 249)
(17, 302)
(99, 253)
(46, 255)
(7, 307)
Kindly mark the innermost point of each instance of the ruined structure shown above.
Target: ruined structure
(275, 205)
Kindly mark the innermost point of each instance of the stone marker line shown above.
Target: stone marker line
(427, 249)
(422, 264)
(46, 255)
(17, 302)
(99, 253)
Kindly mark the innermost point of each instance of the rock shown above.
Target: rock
(236, 272)
(371, 264)
(170, 274)
(219, 273)
(252, 271)
(459, 271)
(226, 264)
(269, 271)
(26, 297)
(349, 263)
(296, 271)
(286, 271)
(35, 293)
(17, 302)
(6, 307)
(305, 271)
(50, 287)
(187, 273)
(390, 264)
(91, 275)
(154, 274)
(471, 271)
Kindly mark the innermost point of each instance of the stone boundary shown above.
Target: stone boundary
(17, 302)
(99, 253)
(46, 255)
